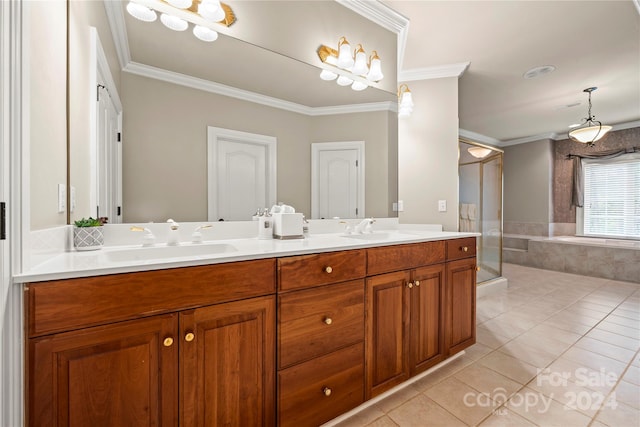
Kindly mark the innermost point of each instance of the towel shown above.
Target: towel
(464, 211)
(471, 212)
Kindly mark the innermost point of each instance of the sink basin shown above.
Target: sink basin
(378, 236)
(164, 252)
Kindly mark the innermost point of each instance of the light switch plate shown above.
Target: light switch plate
(62, 198)
(400, 206)
(442, 205)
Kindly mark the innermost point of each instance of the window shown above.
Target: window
(612, 197)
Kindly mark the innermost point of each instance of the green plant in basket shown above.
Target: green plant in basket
(90, 222)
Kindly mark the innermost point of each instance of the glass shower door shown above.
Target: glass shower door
(490, 252)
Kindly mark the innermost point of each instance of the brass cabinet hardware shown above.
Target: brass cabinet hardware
(326, 391)
(190, 336)
(328, 269)
(417, 282)
(464, 249)
(328, 320)
(410, 285)
(168, 342)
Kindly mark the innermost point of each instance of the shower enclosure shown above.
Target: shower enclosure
(480, 195)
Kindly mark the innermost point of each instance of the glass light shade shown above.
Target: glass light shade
(589, 134)
(180, 4)
(375, 70)
(328, 75)
(344, 81)
(406, 100)
(360, 66)
(211, 10)
(479, 152)
(205, 34)
(404, 112)
(173, 22)
(141, 12)
(358, 86)
(345, 60)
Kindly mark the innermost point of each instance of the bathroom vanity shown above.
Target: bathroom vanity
(280, 339)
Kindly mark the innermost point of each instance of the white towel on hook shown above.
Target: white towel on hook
(464, 211)
(471, 212)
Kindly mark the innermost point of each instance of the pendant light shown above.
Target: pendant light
(591, 130)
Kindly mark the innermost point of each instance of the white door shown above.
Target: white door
(242, 174)
(108, 161)
(338, 180)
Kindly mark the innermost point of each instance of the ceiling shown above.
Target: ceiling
(591, 43)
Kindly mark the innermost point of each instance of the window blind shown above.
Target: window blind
(612, 198)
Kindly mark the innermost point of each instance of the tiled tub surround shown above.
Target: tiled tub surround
(545, 325)
(611, 259)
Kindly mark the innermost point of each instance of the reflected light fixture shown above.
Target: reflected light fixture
(590, 130)
(405, 101)
(479, 152)
(350, 68)
(205, 15)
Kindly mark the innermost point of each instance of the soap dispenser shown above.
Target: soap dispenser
(174, 234)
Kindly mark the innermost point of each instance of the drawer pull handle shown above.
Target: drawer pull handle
(477, 268)
(410, 285)
(168, 342)
(464, 248)
(328, 320)
(326, 391)
(189, 337)
(328, 269)
(417, 282)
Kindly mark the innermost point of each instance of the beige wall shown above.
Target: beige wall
(428, 154)
(165, 148)
(528, 175)
(45, 46)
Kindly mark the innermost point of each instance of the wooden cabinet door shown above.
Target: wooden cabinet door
(427, 318)
(387, 327)
(461, 304)
(124, 374)
(227, 375)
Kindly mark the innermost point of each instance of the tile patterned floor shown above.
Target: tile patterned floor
(554, 349)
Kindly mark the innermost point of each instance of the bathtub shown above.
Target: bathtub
(597, 241)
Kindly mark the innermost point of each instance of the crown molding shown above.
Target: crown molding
(115, 16)
(354, 108)
(386, 17)
(436, 72)
(532, 138)
(477, 137)
(637, 4)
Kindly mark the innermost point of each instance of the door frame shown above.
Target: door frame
(214, 136)
(318, 147)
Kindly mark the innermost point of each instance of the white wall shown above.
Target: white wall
(428, 154)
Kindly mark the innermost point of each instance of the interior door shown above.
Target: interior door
(109, 155)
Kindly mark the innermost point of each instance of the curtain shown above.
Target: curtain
(577, 194)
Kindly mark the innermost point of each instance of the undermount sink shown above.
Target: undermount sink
(378, 236)
(164, 252)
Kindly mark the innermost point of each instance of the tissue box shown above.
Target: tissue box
(287, 226)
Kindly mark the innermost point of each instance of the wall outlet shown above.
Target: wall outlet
(442, 205)
(62, 198)
(400, 206)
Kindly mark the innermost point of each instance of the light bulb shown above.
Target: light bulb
(141, 12)
(211, 10)
(205, 34)
(328, 75)
(173, 22)
(358, 86)
(180, 4)
(344, 81)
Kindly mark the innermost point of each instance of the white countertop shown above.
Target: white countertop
(75, 264)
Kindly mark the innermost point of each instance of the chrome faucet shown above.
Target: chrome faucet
(365, 226)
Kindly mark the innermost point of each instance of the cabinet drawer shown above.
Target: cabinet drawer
(317, 391)
(305, 271)
(401, 257)
(320, 320)
(461, 248)
(75, 303)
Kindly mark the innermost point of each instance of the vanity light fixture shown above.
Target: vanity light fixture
(590, 130)
(350, 68)
(479, 152)
(205, 15)
(405, 101)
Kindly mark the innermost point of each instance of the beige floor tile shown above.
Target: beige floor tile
(615, 339)
(597, 380)
(510, 367)
(623, 321)
(362, 418)
(504, 327)
(613, 351)
(619, 416)
(443, 373)
(594, 307)
(398, 398)
(490, 338)
(555, 333)
(632, 375)
(634, 315)
(503, 417)
(498, 387)
(544, 411)
(383, 422)
(477, 351)
(573, 396)
(530, 354)
(628, 393)
(594, 360)
(573, 317)
(566, 324)
(532, 338)
(466, 403)
(608, 326)
(421, 411)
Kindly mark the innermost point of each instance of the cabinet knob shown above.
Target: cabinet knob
(464, 249)
(189, 336)
(477, 268)
(328, 320)
(417, 282)
(326, 391)
(328, 269)
(410, 285)
(168, 342)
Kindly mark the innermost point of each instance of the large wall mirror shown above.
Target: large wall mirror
(163, 89)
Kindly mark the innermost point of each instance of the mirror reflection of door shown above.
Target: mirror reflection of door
(242, 174)
(337, 180)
